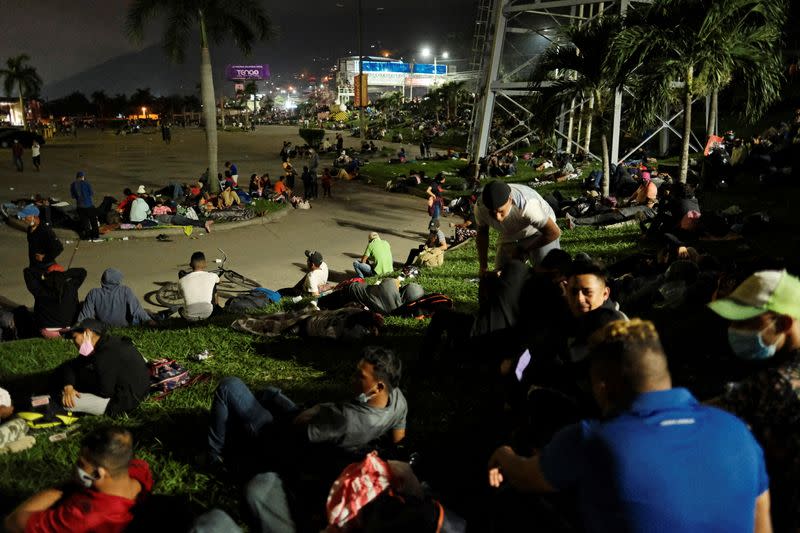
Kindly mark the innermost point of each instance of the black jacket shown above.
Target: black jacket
(114, 370)
(55, 296)
(43, 240)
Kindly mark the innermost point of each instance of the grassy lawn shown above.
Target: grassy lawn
(171, 433)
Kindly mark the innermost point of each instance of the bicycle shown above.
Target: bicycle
(231, 283)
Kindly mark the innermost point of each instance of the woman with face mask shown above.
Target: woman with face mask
(109, 376)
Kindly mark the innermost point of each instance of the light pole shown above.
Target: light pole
(426, 52)
(361, 124)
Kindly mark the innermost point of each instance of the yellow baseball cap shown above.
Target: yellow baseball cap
(768, 290)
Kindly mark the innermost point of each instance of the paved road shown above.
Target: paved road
(271, 253)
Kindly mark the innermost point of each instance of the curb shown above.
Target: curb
(149, 233)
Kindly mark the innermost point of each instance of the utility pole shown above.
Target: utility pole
(361, 125)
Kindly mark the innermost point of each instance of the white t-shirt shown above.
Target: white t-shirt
(139, 210)
(316, 278)
(35, 150)
(529, 214)
(198, 291)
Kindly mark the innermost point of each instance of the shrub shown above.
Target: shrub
(312, 136)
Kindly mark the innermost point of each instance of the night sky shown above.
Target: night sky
(65, 38)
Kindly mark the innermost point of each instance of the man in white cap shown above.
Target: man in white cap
(526, 223)
(764, 314)
(380, 252)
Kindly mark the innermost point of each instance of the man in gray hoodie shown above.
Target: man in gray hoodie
(114, 304)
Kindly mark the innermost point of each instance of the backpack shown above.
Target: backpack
(425, 306)
(255, 299)
(166, 375)
(430, 257)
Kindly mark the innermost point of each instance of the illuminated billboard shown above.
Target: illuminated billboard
(247, 72)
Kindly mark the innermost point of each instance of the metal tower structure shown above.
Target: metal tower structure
(515, 37)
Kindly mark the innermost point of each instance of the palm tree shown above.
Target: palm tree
(100, 101)
(245, 20)
(27, 81)
(700, 46)
(578, 59)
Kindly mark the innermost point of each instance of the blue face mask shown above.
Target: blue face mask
(750, 344)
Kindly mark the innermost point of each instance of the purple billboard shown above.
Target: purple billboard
(247, 72)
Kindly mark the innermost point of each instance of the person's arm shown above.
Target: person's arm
(523, 473)
(53, 245)
(33, 281)
(763, 520)
(137, 312)
(429, 192)
(87, 309)
(482, 244)
(41, 501)
(398, 434)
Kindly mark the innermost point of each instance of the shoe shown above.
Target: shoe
(96, 240)
(163, 238)
(570, 221)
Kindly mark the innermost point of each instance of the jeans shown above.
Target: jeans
(235, 406)
(88, 220)
(18, 163)
(268, 504)
(363, 270)
(215, 521)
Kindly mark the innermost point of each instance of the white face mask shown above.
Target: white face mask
(84, 478)
(364, 397)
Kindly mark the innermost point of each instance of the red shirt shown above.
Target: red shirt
(279, 188)
(90, 510)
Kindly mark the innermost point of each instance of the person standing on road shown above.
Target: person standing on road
(339, 143)
(83, 194)
(16, 152)
(36, 154)
(234, 170)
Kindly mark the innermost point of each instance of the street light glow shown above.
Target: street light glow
(445, 55)
(426, 52)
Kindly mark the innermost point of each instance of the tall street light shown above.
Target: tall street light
(361, 124)
(426, 52)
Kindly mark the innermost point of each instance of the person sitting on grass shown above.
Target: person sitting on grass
(436, 239)
(108, 483)
(378, 410)
(109, 377)
(314, 282)
(113, 303)
(380, 252)
(655, 454)
(199, 290)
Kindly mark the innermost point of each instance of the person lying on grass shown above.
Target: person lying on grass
(379, 409)
(108, 483)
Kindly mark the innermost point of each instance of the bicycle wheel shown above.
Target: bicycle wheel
(169, 295)
(238, 279)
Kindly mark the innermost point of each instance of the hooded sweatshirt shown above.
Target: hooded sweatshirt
(113, 304)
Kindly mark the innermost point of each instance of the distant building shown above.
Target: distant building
(386, 74)
(10, 111)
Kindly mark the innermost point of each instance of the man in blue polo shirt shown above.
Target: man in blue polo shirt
(658, 461)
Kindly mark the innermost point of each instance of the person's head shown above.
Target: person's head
(81, 175)
(198, 261)
(434, 225)
(105, 456)
(141, 190)
(626, 359)
(127, 191)
(556, 265)
(765, 315)
(280, 178)
(30, 214)
(313, 259)
(586, 287)
(254, 178)
(496, 198)
(86, 335)
(377, 373)
(111, 276)
(439, 178)
(374, 235)
(305, 169)
(227, 164)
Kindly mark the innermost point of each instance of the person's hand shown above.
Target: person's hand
(68, 396)
(496, 462)
(39, 257)
(6, 411)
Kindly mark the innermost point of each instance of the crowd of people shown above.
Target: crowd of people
(596, 372)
